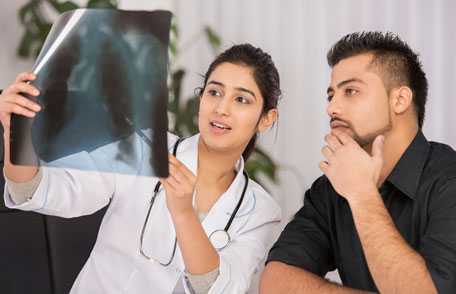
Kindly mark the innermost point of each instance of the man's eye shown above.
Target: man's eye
(329, 98)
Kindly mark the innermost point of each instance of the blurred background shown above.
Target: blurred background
(297, 33)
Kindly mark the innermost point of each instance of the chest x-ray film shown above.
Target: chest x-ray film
(102, 78)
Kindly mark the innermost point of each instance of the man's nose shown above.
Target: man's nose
(334, 107)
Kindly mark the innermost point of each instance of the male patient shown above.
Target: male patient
(384, 212)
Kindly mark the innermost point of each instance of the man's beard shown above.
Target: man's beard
(367, 140)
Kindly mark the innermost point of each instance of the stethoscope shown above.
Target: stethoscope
(218, 238)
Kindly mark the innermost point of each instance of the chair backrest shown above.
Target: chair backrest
(24, 266)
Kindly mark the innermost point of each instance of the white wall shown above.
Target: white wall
(298, 33)
(9, 40)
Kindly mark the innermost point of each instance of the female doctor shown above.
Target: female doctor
(205, 228)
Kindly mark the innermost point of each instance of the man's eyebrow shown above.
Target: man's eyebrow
(350, 81)
(341, 84)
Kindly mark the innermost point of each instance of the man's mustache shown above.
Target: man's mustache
(339, 121)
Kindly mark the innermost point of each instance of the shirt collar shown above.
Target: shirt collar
(406, 174)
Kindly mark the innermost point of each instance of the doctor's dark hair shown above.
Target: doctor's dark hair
(397, 63)
(265, 75)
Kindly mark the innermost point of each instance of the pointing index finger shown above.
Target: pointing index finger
(181, 167)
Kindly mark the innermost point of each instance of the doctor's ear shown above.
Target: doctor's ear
(268, 119)
(401, 99)
(198, 92)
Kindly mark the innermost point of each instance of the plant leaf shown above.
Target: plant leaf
(61, 7)
(259, 162)
(102, 4)
(213, 38)
(26, 9)
(25, 45)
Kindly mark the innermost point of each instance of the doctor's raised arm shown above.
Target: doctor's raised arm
(13, 102)
(24, 188)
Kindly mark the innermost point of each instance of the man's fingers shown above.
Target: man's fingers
(332, 142)
(343, 137)
(377, 147)
(324, 167)
(327, 152)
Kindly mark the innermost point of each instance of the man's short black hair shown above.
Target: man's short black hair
(398, 64)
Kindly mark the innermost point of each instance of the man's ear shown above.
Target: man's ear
(401, 99)
(267, 120)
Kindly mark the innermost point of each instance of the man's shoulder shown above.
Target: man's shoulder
(441, 162)
(439, 179)
(322, 190)
(321, 184)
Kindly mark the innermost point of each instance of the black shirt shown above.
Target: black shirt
(419, 194)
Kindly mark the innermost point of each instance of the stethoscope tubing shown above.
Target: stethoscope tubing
(227, 226)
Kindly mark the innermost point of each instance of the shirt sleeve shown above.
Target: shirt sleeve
(438, 244)
(68, 192)
(305, 241)
(201, 284)
(21, 192)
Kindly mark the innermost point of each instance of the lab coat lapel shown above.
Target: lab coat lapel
(159, 236)
(220, 213)
(187, 153)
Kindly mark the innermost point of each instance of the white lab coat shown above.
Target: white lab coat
(115, 264)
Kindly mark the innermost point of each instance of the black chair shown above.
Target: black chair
(43, 254)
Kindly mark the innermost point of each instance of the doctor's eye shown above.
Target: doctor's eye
(329, 98)
(242, 100)
(214, 93)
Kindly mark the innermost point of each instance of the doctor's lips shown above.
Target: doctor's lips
(336, 123)
(219, 125)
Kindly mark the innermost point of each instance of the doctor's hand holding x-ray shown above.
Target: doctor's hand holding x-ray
(12, 102)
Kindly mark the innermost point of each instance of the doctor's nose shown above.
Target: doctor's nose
(223, 106)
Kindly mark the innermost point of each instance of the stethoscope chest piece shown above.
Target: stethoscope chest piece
(219, 239)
